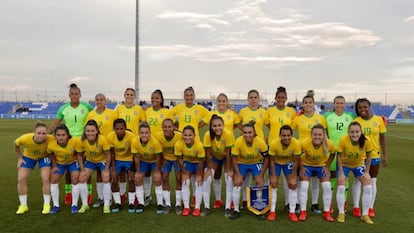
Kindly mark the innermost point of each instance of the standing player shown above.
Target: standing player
(63, 155)
(105, 118)
(318, 153)
(73, 114)
(304, 124)
(354, 155)
(95, 149)
(218, 142)
(374, 129)
(35, 146)
(157, 112)
(191, 155)
(337, 123)
(168, 138)
(147, 154)
(253, 112)
(284, 153)
(249, 154)
(120, 140)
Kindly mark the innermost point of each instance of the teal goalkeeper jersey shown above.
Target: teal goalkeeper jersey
(74, 117)
(337, 126)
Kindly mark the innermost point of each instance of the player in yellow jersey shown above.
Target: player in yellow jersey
(374, 128)
(354, 155)
(191, 155)
(63, 155)
(316, 159)
(231, 121)
(95, 149)
(279, 115)
(147, 153)
(35, 151)
(249, 154)
(120, 140)
(284, 153)
(168, 137)
(105, 118)
(218, 142)
(253, 112)
(303, 124)
(157, 112)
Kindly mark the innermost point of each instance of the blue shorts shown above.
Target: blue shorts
(72, 167)
(255, 169)
(314, 171)
(122, 166)
(94, 166)
(190, 167)
(169, 165)
(219, 162)
(376, 161)
(358, 171)
(287, 168)
(31, 163)
(145, 166)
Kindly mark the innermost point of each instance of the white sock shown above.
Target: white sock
(167, 197)
(327, 195)
(46, 199)
(193, 181)
(236, 198)
(229, 190)
(366, 198)
(139, 192)
(178, 197)
(293, 197)
(340, 198)
(303, 194)
(75, 194)
(274, 199)
(374, 191)
(122, 188)
(315, 189)
(131, 197)
(217, 188)
(99, 190)
(106, 189)
(286, 189)
(83, 190)
(198, 195)
(206, 192)
(54, 192)
(117, 197)
(147, 186)
(158, 193)
(356, 192)
(185, 193)
(23, 199)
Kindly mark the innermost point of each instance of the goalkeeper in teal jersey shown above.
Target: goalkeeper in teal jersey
(337, 122)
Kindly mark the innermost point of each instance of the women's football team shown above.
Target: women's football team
(135, 147)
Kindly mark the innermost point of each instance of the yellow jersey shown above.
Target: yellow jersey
(248, 154)
(230, 118)
(259, 116)
(64, 154)
(168, 144)
(284, 155)
(315, 156)
(121, 147)
(189, 115)
(149, 152)
(372, 129)
(353, 156)
(278, 118)
(155, 118)
(133, 116)
(32, 149)
(305, 123)
(104, 119)
(191, 154)
(95, 152)
(219, 145)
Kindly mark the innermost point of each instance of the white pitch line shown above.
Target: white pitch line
(402, 137)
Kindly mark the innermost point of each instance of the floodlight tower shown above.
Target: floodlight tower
(137, 52)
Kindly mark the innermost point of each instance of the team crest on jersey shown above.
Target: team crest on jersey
(106, 117)
(195, 112)
(135, 113)
(260, 115)
(257, 150)
(83, 111)
(151, 150)
(162, 115)
(228, 117)
(195, 153)
(375, 124)
(223, 142)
